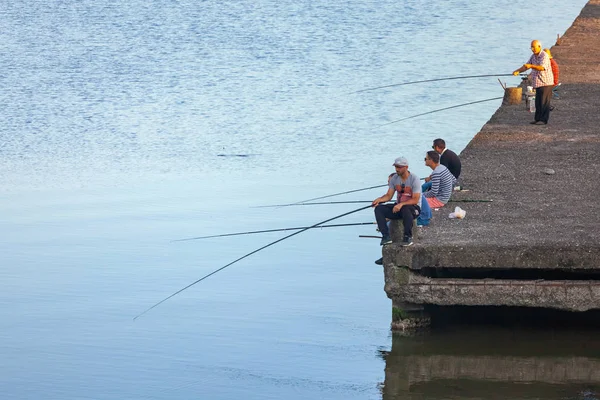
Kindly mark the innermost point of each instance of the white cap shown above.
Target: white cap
(401, 162)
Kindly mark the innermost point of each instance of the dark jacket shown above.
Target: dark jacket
(451, 161)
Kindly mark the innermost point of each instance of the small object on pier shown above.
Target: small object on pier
(458, 213)
(549, 171)
(512, 95)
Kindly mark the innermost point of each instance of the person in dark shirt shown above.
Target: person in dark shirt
(448, 158)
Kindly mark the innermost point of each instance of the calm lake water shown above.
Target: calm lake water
(127, 125)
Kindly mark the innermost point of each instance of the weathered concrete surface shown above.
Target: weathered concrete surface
(566, 295)
(536, 219)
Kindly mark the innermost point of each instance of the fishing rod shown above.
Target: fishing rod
(317, 203)
(470, 201)
(247, 255)
(338, 194)
(431, 80)
(441, 109)
(355, 202)
(329, 195)
(273, 230)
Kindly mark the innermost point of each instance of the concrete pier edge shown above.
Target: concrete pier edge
(541, 213)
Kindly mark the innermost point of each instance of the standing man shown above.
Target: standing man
(541, 79)
(442, 182)
(408, 202)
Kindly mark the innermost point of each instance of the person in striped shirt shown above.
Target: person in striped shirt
(442, 181)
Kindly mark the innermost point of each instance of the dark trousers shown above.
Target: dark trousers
(407, 214)
(543, 95)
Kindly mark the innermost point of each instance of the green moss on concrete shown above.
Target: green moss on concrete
(399, 314)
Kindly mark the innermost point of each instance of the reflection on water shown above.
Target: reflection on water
(493, 363)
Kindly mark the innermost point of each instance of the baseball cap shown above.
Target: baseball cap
(401, 162)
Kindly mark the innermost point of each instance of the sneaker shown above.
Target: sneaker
(407, 241)
(379, 262)
(386, 239)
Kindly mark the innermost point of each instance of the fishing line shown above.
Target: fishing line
(274, 230)
(430, 80)
(247, 255)
(470, 201)
(441, 109)
(338, 194)
(317, 203)
(330, 195)
(344, 202)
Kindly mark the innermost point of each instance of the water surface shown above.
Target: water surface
(126, 125)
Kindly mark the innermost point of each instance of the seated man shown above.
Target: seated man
(448, 158)
(442, 181)
(407, 207)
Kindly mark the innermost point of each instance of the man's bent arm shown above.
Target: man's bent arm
(385, 198)
(413, 200)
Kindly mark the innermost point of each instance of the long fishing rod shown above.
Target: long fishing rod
(247, 255)
(273, 230)
(470, 201)
(329, 195)
(430, 80)
(339, 194)
(361, 201)
(440, 109)
(317, 203)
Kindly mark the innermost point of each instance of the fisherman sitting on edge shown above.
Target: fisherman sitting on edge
(448, 158)
(442, 181)
(408, 202)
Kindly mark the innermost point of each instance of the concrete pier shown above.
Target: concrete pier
(535, 240)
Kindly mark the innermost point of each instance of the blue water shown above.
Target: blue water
(127, 125)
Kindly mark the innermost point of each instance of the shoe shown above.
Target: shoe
(407, 241)
(534, 122)
(379, 262)
(551, 108)
(386, 239)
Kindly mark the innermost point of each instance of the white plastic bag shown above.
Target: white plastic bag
(458, 213)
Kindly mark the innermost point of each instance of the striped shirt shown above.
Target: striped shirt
(442, 182)
(541, 78)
